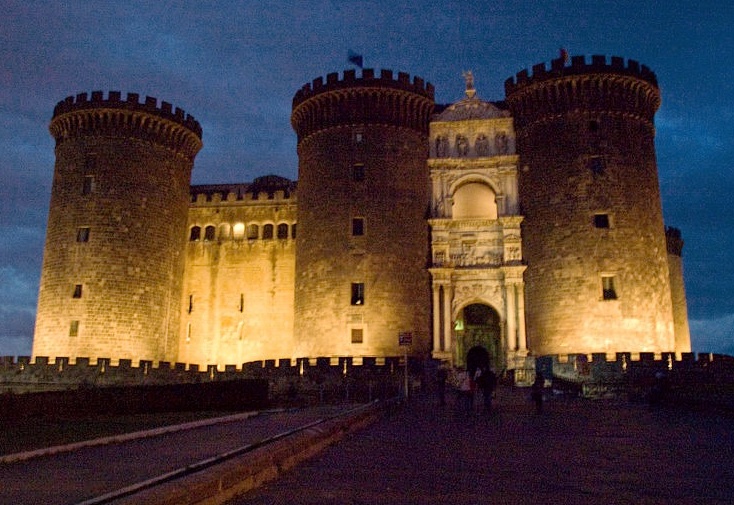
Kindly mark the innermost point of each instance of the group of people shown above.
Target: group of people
(476, 389)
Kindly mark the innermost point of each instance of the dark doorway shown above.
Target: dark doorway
(478, 337)
(477, 357)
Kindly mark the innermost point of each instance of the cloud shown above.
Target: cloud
(15, 346)
(713, 335)
(17, 311)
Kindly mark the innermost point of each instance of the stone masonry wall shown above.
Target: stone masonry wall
(586, 145)
(237, 301)
(362, 147)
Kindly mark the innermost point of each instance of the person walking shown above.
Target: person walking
(487, 382)
(536, 392)
(466, 390)
(441, 377)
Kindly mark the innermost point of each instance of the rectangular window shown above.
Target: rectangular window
(77, 291)
(607, 287)
(357, 227)
(82, 234)
(358, 137)
(601, 220)
(357, 293)
(358, 172)
(357, 335)
(74, 329)
(88, 186)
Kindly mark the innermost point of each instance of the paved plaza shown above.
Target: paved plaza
(576, 452)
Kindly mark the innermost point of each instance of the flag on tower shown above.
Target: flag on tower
(355, 59)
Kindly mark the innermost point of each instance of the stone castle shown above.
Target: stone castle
(523, 227)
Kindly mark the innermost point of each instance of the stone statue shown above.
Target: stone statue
(469, 80)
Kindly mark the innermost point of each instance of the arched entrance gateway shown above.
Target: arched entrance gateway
(476, 265)
(478, 338)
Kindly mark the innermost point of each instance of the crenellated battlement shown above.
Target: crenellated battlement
(600, 86)
(605, 367)
(267, 188)
(132, 102)
(25, 374)
(82, 115)
(667, 359)
(580, 66)
(367, 80)
(362, 100)
(684, 379)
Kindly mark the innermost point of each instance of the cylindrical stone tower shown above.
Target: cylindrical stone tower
(594, 241)
(678, 290)
(363, 194)
(113, 262)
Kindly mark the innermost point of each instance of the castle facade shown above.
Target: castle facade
(507, 229)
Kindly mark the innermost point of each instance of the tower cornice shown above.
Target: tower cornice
(597, 87)
(78, 116)
(368, 99)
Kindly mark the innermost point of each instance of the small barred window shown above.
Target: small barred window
(82, 234)
(608, 289)
(357, 293)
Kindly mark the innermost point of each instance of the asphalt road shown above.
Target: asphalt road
(576, 452)
(72, 477)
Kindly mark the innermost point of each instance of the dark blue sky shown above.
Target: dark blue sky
(235, 66)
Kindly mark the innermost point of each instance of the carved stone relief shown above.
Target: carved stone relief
(462, 146)
(482, 145)
(490, 291)
(442, 147)
(500, 143)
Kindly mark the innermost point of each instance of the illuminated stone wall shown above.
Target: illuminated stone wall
(678, 290)
(551, 211)
(112, 270)
(597, 277)
(362, 148)
(237, 301)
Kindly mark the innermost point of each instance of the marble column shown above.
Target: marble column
(522, 338)
(437, 337)
(448, 298)
(511, 315)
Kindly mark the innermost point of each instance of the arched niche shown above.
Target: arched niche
(474, 200)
